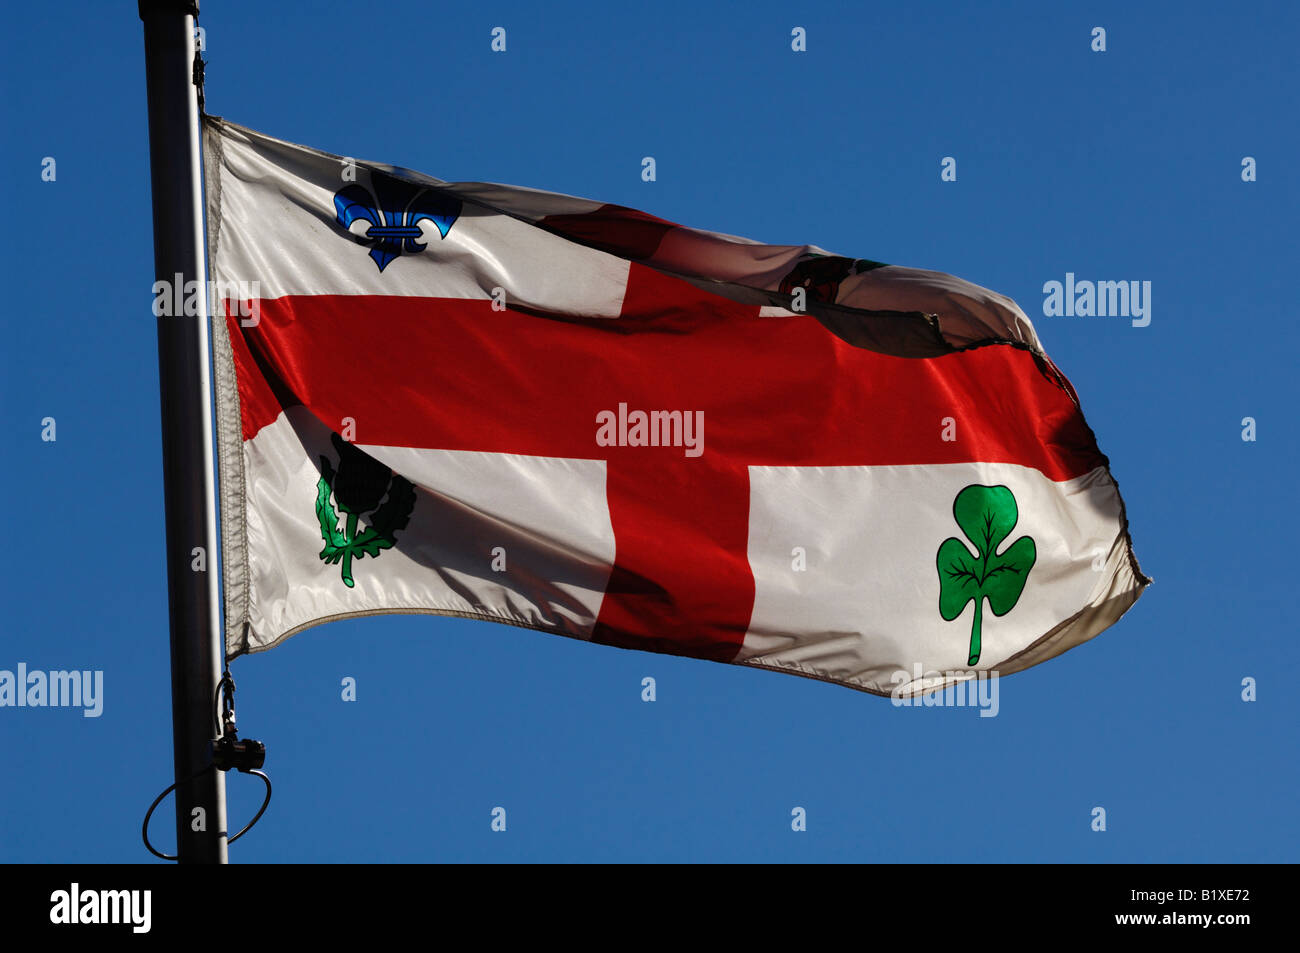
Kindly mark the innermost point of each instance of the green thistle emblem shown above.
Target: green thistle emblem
(987, 515)
(357, 486)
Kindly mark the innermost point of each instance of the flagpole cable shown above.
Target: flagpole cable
(144, 831)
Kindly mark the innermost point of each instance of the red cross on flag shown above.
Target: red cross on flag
(499, 403)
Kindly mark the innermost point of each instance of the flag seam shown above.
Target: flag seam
(230, 452)
(246, 649)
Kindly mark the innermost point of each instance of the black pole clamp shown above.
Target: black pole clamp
(228, 750)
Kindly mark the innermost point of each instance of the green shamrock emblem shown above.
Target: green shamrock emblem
(987, 515)
(358, 486)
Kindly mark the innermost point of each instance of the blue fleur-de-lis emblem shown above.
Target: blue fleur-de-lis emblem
(394, 208)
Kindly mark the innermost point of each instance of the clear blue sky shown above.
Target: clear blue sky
(1117, 165)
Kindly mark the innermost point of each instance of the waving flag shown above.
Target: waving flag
(493, 402)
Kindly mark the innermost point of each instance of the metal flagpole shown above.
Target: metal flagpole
(183, 377)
